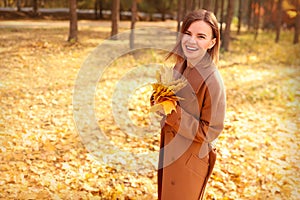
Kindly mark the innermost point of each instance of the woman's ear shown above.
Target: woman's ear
(213, 42)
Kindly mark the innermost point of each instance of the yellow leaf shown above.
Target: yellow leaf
(165, 106)
(156, 108)
(169, 106)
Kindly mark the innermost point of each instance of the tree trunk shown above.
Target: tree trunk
(197, 4)
(115, 18)
(73, 30)
(194, 5)
(18, 5)
(96, 9)
(226, 39)
(179, 14)
(267, 18)
(163, 15)
(222, 18)
(27, 3)
(100, 9)
(216, 8)
(188, 6)
(279, 20)
(297, 24)
(207, 5)
(240, 16)
(35, 7)
(257, 18)
(249, 15)
(133, 21)
(200, 3)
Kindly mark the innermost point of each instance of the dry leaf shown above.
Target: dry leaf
(164, 96)
(168, 106)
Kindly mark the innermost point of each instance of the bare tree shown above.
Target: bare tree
(179, 13)
(226, 38)
(257, 17)
(249, 15)
(73, 29)
(297, 23)
(115, 18)
(279, 20)
(216, 8)
(18, 5)
(222, 18)
(35, 7)
(133, 21)
(98, 9)
(163, 7)
(188, 6)
(5, 3)
(199, 4)
(240, 16)
(207, 5)
(268, 13)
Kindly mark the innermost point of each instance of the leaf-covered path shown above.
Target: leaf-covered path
(41, 153)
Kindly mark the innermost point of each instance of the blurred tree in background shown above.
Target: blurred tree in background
(73, 29)
(255, 15)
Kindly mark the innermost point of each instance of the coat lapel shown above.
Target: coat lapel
(198, 74)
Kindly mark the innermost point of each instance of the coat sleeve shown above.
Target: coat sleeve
(212, 114)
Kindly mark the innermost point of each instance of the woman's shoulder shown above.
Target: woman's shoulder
(211, 76)
(215, 81)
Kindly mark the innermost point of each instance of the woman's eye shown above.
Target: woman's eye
(201, 36)
(187, 33)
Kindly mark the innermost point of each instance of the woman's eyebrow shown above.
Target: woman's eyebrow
(201, 34)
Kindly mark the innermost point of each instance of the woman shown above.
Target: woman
(186, 157)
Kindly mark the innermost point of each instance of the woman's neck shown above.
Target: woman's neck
(189, 64)
(193, 62)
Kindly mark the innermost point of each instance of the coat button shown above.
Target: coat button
(172, 182)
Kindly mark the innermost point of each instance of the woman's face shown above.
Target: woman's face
(196, 41)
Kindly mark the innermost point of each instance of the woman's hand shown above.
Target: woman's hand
(174, 116)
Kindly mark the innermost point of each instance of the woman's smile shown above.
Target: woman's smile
(191, 48)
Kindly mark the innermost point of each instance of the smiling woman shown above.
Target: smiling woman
(196, 41)
(187, 156)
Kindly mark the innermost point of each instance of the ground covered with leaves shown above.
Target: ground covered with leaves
(42, 155)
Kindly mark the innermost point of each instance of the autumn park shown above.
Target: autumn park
(75, 87)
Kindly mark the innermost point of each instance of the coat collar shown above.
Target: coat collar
(199, 73)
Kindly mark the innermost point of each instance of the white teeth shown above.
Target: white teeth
(191, 48)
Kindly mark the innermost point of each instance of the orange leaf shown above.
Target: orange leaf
(169, 106)
(166, 106)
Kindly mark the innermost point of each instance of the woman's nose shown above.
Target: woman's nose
(192, 39)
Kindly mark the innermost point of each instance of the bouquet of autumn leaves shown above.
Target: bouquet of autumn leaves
(164, 98)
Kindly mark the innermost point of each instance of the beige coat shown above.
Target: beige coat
(185, 162)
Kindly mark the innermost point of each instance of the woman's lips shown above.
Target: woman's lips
(191, 48)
